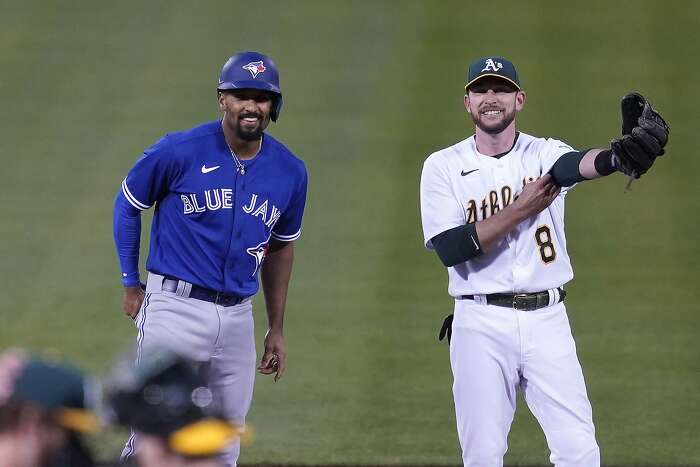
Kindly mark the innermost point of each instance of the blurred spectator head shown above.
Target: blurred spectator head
(46, 406)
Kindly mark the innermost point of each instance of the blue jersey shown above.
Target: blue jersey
(212, 224)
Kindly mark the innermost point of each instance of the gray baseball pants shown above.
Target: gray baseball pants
(220, 338)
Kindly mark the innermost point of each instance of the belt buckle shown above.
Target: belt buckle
(227, 300)
(520, 305)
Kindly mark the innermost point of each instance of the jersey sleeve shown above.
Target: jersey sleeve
(288, 227)
(551, 151)
(440, 209)
(126, 227)
(149, 179)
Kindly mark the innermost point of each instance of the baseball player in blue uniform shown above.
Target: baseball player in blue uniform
(229, 200)
(492, 208)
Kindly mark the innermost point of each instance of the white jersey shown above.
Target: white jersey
(459, 186)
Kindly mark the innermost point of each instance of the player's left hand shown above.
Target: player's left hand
(274, 360)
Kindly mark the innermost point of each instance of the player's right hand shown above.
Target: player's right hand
(132, 300)
(274, 360)
(537, 196)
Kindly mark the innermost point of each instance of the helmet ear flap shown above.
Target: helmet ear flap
(276, 107)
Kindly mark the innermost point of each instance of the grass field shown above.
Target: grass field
(371, 88)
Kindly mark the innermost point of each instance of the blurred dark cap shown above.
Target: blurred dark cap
(165, 396)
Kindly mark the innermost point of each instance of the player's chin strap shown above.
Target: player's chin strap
(446, 329)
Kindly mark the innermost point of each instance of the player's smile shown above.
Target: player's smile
(491, 112)
(493, 119)
(250, 120)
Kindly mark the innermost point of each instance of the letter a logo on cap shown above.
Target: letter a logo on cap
(491, 65)
(255, 68)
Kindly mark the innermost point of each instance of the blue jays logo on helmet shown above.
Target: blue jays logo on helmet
(252, 70)
(255, 68)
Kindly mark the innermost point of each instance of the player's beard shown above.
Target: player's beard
(493, 128)
(250, 134)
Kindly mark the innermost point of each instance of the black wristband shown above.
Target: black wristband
(457, 245)
(604, 162)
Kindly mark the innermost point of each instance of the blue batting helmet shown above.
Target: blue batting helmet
(252, 70)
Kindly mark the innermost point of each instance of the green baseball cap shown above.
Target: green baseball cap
(61, 390)
(492, 66)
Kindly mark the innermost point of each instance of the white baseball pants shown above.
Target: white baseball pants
(221, 338)
(495, 351)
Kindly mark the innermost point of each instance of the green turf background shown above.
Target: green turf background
(371, 88)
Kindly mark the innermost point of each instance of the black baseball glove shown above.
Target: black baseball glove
(644, 135)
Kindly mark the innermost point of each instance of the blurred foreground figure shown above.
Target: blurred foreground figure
(44, 409)
(164, 399)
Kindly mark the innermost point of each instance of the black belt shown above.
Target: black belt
(520, 301)
(172, 284)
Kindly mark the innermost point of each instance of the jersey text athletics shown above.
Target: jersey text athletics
(494, 202)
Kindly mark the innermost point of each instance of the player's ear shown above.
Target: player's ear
(466, 102)
(520, 100)
(220, 96)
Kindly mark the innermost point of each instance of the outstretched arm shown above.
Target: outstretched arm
(644, 135)
(275, 274)
(577, 166)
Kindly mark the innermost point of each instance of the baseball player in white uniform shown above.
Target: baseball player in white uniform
(492, 208)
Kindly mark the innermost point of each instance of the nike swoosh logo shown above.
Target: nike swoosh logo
(206, 170)
(464, 174)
